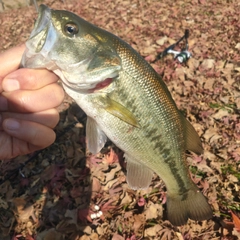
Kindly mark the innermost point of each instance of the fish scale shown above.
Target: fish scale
(126, 101)
(150, 157)
(162, 103)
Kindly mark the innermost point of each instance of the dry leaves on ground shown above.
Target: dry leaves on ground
(64, 193)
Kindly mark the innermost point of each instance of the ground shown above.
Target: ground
(64, 192)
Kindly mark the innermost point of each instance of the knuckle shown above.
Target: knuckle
(27, 79)
(58, 93)
(54, 118)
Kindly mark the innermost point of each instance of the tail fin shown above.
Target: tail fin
(194, 206)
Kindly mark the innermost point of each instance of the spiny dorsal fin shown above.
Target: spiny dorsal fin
(138, 175)
(192, 140)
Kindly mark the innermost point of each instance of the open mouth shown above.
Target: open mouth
(41, 26)
(102, 85)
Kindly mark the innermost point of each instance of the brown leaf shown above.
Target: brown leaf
(220, 114)
(153, 231)
(208, 64)
(153, 211)
(180, 73)
(236, 221)
(211, 135)
(237, 46)
(161, 40)
(23, 211)
(117, 237)
(139, 221)
(53, 234)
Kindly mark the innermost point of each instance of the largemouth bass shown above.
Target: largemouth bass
(126, 101)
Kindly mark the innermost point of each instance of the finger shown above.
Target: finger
(10, 61)
(34, 133)
(42, 99)
(49, 118)
(28, 79)
(11, 147)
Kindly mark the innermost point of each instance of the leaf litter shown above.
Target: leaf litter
(55, 195)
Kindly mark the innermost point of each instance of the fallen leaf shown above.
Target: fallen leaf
(211, 135)
(153, 211)
(208, 64)
(162, 40)
(153, 231)
(23, 210)
(220, 114)
(53, 234)
(117, 237)
(237, 46)
(236, 221)
(139, 221)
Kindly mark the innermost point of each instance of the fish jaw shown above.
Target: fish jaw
(40, 42)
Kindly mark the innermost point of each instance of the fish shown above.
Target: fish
(126, 101)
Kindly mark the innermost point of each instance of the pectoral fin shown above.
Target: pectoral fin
(192, 140)
(96, 138)
(119, 111)
(138, 175)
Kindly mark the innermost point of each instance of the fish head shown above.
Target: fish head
(77, 51)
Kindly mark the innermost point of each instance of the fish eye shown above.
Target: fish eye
(71, 29)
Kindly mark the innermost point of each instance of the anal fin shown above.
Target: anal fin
(96, 138)
(138, 175)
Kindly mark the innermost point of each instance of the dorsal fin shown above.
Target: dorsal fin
(192, 140)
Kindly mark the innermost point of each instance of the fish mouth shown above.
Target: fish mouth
(82, 81)
(102, 85)
(93, 88)
(43, 36)
(106, 85)
(40, 42)
(41, 28)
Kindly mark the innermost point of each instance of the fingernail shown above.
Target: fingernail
(10, 85)
(3, 104)
(11, 124)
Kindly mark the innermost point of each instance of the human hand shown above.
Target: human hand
(27, 106)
